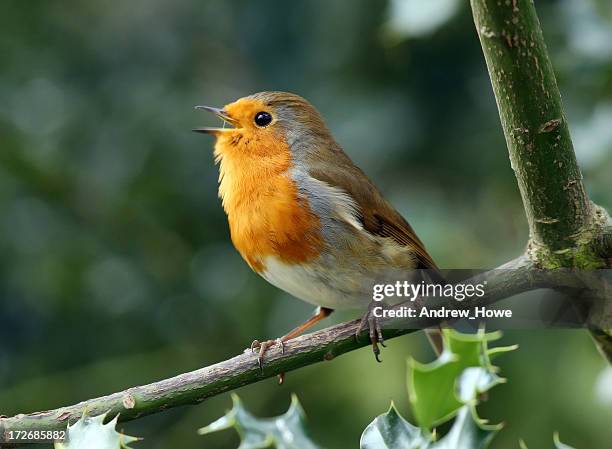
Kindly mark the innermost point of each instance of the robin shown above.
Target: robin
(303, 215)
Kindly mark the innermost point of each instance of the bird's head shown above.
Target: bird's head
(266, 124)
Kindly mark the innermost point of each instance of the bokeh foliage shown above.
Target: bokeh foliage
(115, 262)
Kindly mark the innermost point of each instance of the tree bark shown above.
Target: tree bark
(536, 129)
(564, 226)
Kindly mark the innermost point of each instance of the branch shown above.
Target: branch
(536, 129)
(508, 280)
(566, 229)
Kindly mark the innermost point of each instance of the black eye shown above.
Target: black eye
(262, 119)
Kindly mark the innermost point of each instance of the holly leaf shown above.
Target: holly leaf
(434, 387)
(558, 443)
(391, 431)
(468, 432)
(90, 432)
(281, 432)
(473, 382)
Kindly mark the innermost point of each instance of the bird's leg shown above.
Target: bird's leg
(370, 321)
(320, 314)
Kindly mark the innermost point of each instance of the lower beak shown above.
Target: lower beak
(222, 115)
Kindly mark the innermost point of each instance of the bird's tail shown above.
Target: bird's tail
(434, 334)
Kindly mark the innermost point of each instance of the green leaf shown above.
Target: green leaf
(282, 432)
(433, 387)
(474, 381)
(494, 352)
(391, 431)
(92, 433)
(449, 386)
(558, 443)
(468, 432)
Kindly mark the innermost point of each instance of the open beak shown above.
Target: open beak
(222, 115)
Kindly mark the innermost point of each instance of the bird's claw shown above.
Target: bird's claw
(376, 351)
(255, 345)
(370, 321)
(263, 348)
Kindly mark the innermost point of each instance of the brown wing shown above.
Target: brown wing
(377, 215)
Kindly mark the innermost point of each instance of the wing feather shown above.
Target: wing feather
(377, 215)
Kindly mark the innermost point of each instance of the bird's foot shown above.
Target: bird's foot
(263, 348)
(370, 321)
(320, 313)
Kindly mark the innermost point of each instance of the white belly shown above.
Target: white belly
(315, 285)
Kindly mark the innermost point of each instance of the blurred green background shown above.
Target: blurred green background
(116, 267)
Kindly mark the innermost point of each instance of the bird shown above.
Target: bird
(303, 216)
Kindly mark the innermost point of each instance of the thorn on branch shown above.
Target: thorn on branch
(487, 33)
(128, 401)
(550, 126)
(547, 220)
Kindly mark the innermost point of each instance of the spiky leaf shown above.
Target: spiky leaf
(91, 433)
(468, 432)
(391, 431)
(558, 443)
(286, 431)
(433, 387)
(474, 381)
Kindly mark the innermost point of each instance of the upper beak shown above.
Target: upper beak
(219, 113)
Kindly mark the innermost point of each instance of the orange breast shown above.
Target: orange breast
(266, 216)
